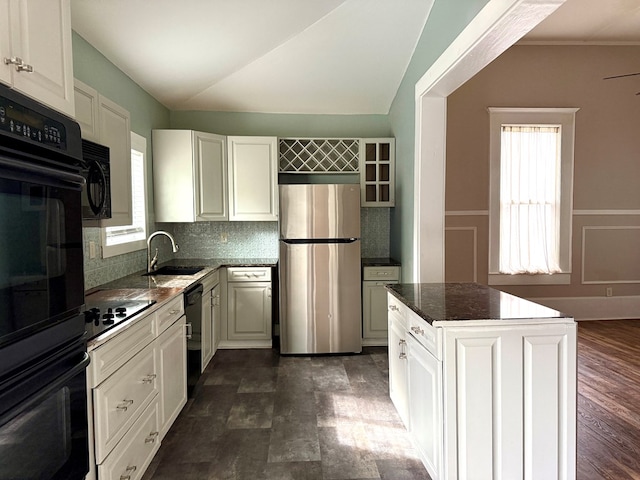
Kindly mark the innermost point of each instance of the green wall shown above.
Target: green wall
(92, 68)
(283, 125)
(446, 20)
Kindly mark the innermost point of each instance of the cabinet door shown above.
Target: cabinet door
(171, 349)
(115, 133)
(211, 184)
(216, 317)
(377, 172)
(86, 101)
(207, 330)
(398, 386)
(41, 37)
(425, 405)
(6, 71)
(514, 390)
(249, 311)
(253, 178)
(374, 312)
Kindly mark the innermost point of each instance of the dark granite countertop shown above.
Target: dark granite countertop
(139, 281)
(380, 262)
(443, 303)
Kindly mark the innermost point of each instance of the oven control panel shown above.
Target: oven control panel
(21, 121)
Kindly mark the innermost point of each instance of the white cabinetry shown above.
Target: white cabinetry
(486, 398)
(107, 123)
(137, 383)
(210, 317)
(253, 178)
(377, 172)
(398, 364)
(36, 52)
(248, 308)
(374, 302)
(190, 176)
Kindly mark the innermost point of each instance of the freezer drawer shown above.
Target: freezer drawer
(320, 298)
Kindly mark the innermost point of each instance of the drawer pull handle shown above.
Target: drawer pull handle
(149, 378)
(174, 312)
(189, 330)
(418, 330)
(128, 472)
(125, 405)
(151, 438)
(393, 308)
(403, 356)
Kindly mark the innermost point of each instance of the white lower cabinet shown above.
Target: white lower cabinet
(132, 456)
(425, 404)
(137, 386)
(398, 380)
(171, 348)
(491, 399)
(374, 302)
(247, 308)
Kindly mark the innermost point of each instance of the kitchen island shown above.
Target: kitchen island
(484, 381)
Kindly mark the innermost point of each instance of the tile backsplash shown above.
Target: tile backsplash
(207, 240)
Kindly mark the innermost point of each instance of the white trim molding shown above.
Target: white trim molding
(606, 212)
(595, 308)
(466, 213)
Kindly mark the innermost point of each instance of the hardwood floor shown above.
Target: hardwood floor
(609, 400)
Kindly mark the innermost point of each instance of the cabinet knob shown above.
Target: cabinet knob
(149, 378)
(393, 308)
(174, 312)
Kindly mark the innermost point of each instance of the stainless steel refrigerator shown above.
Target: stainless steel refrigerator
(320, 281)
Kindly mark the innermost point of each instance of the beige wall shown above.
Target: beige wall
(606, 224)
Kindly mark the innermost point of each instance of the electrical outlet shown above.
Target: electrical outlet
(609, 292)
(92, 249)
(223, 237)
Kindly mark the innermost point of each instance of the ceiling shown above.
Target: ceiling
(295, 56)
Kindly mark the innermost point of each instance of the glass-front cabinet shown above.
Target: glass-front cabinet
(377, 172)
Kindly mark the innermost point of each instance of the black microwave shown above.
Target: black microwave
(96, 194)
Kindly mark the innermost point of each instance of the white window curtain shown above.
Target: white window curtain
(137, 230)
(530, 199)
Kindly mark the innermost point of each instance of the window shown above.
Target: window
(129, 238)
(531, 191)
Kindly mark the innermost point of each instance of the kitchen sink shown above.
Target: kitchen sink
(171, 270)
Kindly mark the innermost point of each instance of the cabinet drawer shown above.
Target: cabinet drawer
(134, 453)
(381, 273)
(107, 358)
(248, 274)
(120, 399)
(398, 310)
(168, 314)
(427, 335)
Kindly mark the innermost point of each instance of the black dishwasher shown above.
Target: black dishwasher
(193, 311)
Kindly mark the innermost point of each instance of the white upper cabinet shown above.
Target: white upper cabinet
(377, 172)
(107, 123)
(253, 178)
(35, 46)
(190, 176)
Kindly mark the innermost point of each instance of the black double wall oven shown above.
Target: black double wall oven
(43, 357)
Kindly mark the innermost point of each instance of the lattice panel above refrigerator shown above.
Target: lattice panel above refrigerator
(319, 155)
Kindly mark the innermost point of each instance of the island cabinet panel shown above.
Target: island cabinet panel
(484, 397)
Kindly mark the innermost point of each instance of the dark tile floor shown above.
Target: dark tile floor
(257, 415)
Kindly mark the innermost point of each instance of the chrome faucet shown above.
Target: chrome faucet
(152, 262)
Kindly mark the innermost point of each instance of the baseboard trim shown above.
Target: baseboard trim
(595, 308)
(374, 342)
(241, 344)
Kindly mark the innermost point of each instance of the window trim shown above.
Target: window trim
(138, 143)
(539, 116)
